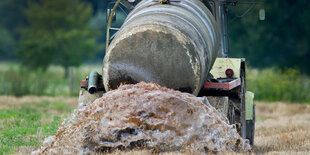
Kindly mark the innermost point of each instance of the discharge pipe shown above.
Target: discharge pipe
(93, 82)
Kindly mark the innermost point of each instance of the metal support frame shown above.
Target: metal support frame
(124, 3)
(220, 14)
(224, 86)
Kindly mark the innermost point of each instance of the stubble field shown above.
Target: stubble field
(281, 128)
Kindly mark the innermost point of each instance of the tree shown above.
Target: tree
(7, 44)
(11, 16)
(11, 20)
(98, 5)
(282, 40)
(58, 33)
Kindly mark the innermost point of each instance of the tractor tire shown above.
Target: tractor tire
(250, 128)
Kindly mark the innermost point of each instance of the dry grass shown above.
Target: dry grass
(10, 101)
(280, 129)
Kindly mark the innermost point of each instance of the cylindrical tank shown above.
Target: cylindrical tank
(173, 45)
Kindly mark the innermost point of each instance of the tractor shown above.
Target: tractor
(179, 44)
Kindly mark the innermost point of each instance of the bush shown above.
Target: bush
(268, 84)
(278, 85)
(18, 81)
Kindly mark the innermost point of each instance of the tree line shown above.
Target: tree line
(282, 40)
(68, 32)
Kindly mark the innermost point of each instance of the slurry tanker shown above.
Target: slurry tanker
(179, 44)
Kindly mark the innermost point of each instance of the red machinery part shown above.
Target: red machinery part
(225, 85)
(229, 73)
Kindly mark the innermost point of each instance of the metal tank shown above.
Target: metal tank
(172, 45)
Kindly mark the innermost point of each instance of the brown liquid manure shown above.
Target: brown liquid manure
(145, 116)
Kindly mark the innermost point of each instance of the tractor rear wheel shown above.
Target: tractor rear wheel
(250, 128)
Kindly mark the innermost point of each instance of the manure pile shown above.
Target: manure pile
(145, 116)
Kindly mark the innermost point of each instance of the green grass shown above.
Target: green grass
(30, 123)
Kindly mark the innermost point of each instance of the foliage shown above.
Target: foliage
(7, 44)
(98, 5)
(268, 84)
(12, 17)
(11, 20)
(279, 85)
(58, 33)
(29, 124)
(282, 40)
(18, 81)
